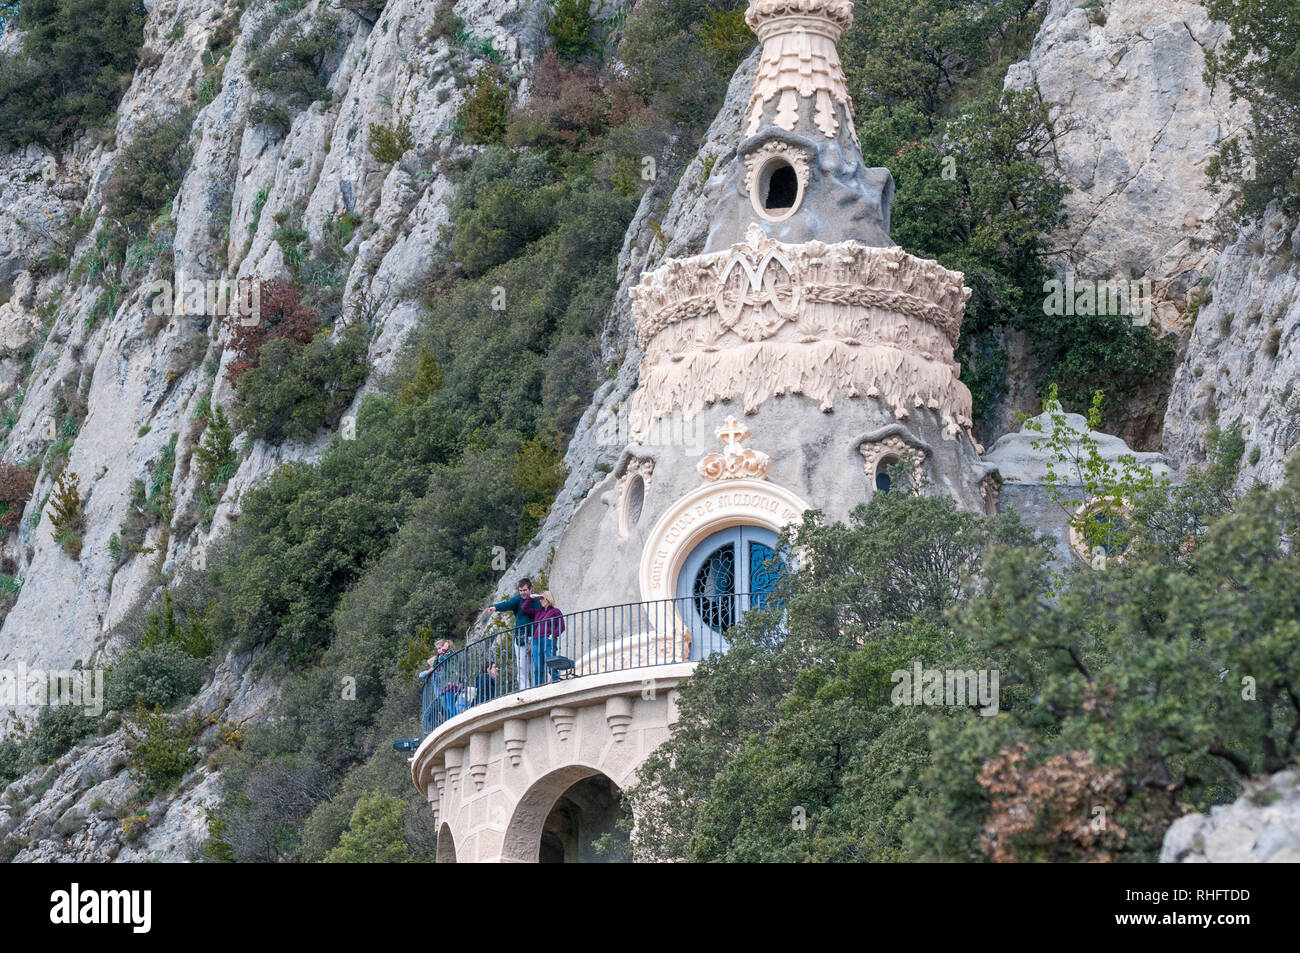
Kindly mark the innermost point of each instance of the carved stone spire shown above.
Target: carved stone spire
(800, 81)
(798, 172)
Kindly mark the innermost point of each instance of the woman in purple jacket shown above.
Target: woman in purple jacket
(548, 623)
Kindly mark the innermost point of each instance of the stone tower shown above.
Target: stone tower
(801, 330)
(784, 368)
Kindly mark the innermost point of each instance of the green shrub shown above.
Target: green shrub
(504, 202)
(725, 36)
(570, 27)
(297, 389)
(294, 68)
(446, 23)
(69, 514)
(69, 823)
(481, 118)
(375, 835)
(56, 729)
(156, 675)
(160, 754)
(12, 761)
(148, 174)
(1258, 62)
(216, 459)
(77, 59)
(388, 143)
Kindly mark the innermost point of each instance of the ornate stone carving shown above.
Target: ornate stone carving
(734, 462)
(874, 452)
(638, 471)
(799, 64)
(696, 516)
(823, 320)
(760, 157)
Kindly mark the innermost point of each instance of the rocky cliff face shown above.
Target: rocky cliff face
(1134, 125)
(1243, 359)
(141, 380)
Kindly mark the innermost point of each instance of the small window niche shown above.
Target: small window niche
(631, 493)
(777, 176)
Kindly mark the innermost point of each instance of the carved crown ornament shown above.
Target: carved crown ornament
(734, 462)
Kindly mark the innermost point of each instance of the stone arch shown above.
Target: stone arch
(523, 837)
(446, 846)
(701, 513)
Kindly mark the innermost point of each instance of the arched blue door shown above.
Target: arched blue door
(723, 577)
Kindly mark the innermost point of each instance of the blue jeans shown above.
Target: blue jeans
(542, 650)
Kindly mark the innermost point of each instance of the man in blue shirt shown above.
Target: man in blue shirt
(523, 627)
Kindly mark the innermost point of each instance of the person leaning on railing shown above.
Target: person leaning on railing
(516, 604)
(548, 624)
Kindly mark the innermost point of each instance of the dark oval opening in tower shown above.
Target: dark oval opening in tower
(782, 188)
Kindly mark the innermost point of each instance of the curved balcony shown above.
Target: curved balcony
(591, 642)
(526, 759)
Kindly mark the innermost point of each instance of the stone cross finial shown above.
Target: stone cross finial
(734, 462)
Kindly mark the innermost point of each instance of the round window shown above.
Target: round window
(777, 191)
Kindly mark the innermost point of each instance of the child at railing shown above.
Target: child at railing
(548, 624)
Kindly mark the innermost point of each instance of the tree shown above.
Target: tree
(1260, 64)
(376, 833)
(215, 455)
(569, 28)
(281, 314)
(1126, 696)
(77, 59)
(481, 118)
(789, 747)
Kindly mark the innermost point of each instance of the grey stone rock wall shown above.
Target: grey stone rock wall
(1242, 361)
(1261, 826)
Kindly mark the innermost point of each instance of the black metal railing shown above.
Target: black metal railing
(608, 639)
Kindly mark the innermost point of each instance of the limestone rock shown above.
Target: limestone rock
(1262, 826)
(1242, 361)
(1134, 125)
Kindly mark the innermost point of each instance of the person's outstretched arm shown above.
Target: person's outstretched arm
(510, 605)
